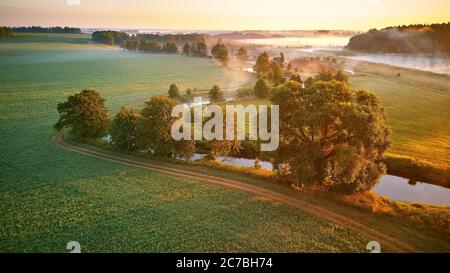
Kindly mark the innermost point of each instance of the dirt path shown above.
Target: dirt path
(315, 210)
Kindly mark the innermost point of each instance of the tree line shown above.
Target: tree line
(432, 38)
(6, 32)
(38, 29)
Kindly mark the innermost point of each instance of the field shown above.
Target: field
(51, 196)
(417, 105)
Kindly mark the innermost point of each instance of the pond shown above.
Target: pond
(392, 187)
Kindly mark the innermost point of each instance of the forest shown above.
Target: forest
(418, 38)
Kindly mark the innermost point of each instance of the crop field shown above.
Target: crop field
(417, 105)
(50, 196)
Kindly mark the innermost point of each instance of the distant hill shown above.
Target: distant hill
(36, 29)
(433, 38)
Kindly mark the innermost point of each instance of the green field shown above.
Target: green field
(417, 105)
(51, 196)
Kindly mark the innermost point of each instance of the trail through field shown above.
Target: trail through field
(315, 210)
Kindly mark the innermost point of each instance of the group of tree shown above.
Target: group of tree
(330, 135)
(198, 49)
(37, 29)
(114, 38)
(432, 38)
(154, 43)
(6, 32)
(270, 69)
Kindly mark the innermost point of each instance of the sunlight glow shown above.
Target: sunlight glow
(224, 14)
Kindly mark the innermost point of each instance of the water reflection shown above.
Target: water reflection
(392, 187)
(401, 189)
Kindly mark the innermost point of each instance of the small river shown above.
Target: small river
(392, 187)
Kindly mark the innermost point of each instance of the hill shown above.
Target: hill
(433, 38)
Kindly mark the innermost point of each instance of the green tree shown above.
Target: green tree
(216, 95)
(85, 113)
(263, 65)
(331, 135)
(341, 77)
(6, 32)
(124, 129)
(242, 55)
(187, 50)
(277, 74)
(171, 47)
(174, 92)
(220, 52)
(155, 129)
(261, 89)
(296, 77)
(325, 75)
(280, 60)
(201, 49)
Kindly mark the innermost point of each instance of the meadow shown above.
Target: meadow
(51, 196)
(417, 105)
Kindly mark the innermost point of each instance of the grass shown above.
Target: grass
(50, 196)
(418, 109)
(423, 226)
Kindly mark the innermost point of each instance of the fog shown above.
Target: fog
(439, 65)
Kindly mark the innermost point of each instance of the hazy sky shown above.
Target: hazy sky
(224, 14)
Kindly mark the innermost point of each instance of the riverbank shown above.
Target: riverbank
(423, 216)
(424, 226)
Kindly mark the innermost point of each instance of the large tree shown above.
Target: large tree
(242, 55)
(124, 129)
(261, 89)
(331, 135)
(220, 52)
(187, 50)
(85, 113)
(155, 129)
(263, 65)
(216, 95)
(174, 92)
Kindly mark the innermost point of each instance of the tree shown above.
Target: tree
(187, 50)
(220, 52)
(171, 47)
(216, 95)
(331, 135)
(325, 75)
(341, 77)
(277, 74)
(174, 92)
(280, 60)
(261, 89)
(296, 77)
(155, 129)
(263, 65)
(201, 49)
(85, 113)
(124, 129)
(242, 55)
(289, 67)
(6, 32)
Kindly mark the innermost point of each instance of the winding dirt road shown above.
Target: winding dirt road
(315, 210)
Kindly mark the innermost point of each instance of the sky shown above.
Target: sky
(224, 14)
